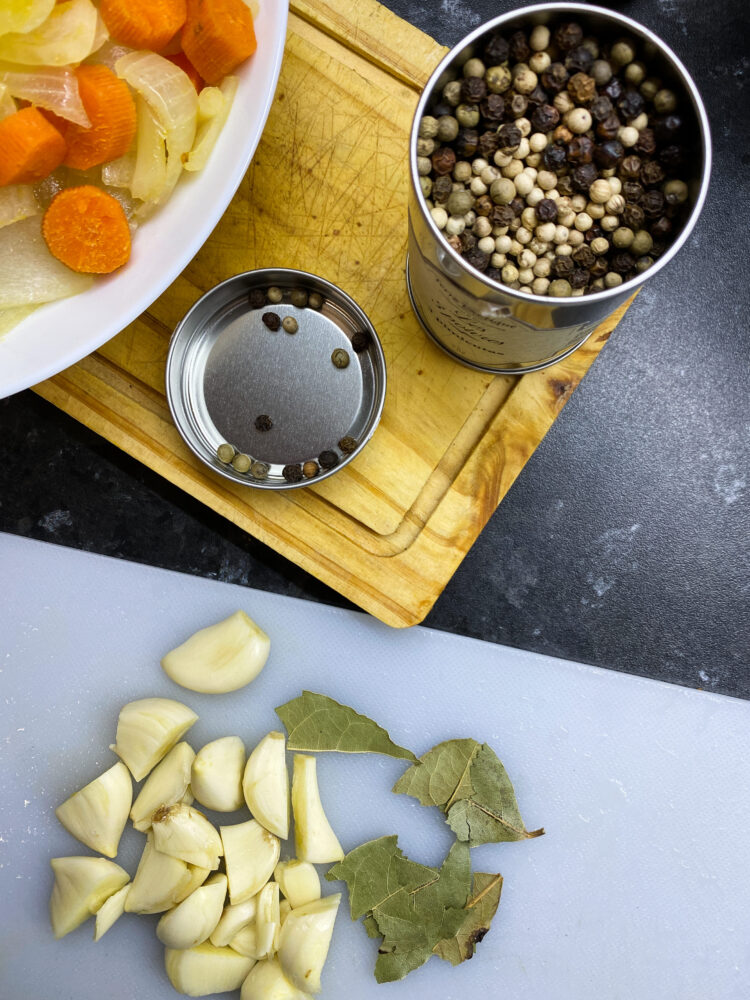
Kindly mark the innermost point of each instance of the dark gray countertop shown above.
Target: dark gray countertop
(625, 542)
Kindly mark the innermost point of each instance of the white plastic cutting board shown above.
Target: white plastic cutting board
(640, 888)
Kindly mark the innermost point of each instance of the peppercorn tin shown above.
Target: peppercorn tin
(490, 326)
(276, 379)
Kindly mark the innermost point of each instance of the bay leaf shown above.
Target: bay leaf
(442, 775)
(317, 723)
(478, 914)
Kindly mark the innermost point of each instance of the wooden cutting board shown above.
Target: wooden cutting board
(327, 192)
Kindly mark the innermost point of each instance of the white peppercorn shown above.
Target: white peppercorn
(498, 79)
(478, 187)
(546, 180)
(609, 173)
(527, 258)
(498, 260)
(594, 210)
(515, 248)
(643, 264)
(642, 243)
(501, 159)
(635, 73)
(529, 219)
(650, 87)
(583, 222)
(514, 225)
(524, 235)
(622, 237)
(538, 246)
(509, 273)
(515, 284)
(533, 159)
(539, 62)
(447, 128)
(561, 234)
(559, 288)
(424, 166)
(531, 170)
(640, 122)
(546, 231)
(563, 102)
(428, 127)
(503, 244)
(524, 126)
(499, 231)
(564, 250)
(525, 275)
(462, 171)
(452, 93)
(591, 45)
(486, 245)
(601, 71)
(524, 184)
(609, 222)
(535, 195)
(615, 184)
(524, 78)
(675, 192)
(578, 203)
(425, 185)
(542, 268)
(537, 142)
(539, 38)
(539, 286)
(523, 149)
(615, 205)
(425, 147)
(490, 174)
(474, 67)
(627, 135)
(467, 115)
(478, 164)
(612, 279)
(599, 245)
(455, 225)
(665, 101)
(481, 228)
(526, 288)
(459, 202)
(622, 53)
(578, 120)
(566, 217)
(514, 168)
(470, 218)
(597, 285)
(575, 238)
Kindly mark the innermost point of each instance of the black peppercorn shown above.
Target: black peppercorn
(667, 128)
(646, 143)
(613, 89)
(473, 90)
(545, 118)
(554, 157)
(467, 143)
(653, 204)
(360, 341)
(257, 298)
(580, 277)
(579, 60)
(600, 108)
(537, 97)
(263, 422)
(440, 109)
(518, 205)
(328, 459)
(584, 256)
(443, 160)
(555, 77)
(492, 108)
(584, 176)
(340, 358)
(631, 103)
(580, 149)
(442, 187)
(633, 216)
(599, 268)
(609, 154)
(609, 127)
(496, 51)
(494, 274)
(483, 205)
(662, 227)
(518, 47)
(632, 191)
(630, 167)
(517, 106)
(651, 173)
(565, 186)
(658, 247)
(622, 262)
(569, 36)
(582, 88)
(501, 215)
(347, 444)
(509, 136)
(292, 473)
(546, 210)
(593, 233)
(477, 259)
(562, 267)
(489, 142)
(672, 157)
(467, 240)
(271, 320)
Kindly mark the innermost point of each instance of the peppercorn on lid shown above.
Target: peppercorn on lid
(276, 379)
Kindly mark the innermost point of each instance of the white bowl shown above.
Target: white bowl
(61, 333)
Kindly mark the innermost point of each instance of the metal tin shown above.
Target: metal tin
(483, 323)
(225, 368)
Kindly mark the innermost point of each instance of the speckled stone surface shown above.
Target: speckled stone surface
(625, 542)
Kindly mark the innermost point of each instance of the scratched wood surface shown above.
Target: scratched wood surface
(327, 192)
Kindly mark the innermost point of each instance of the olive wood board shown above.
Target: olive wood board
(327, 193)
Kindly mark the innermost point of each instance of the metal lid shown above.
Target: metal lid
(277, 397)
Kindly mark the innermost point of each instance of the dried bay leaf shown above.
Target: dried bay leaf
(317, 723)
(469, 783)
(478, 914)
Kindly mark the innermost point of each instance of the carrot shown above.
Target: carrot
(86, 228)
(111, 111)
(218, 36)
(143, 24)
(181, 60)
(30, 147)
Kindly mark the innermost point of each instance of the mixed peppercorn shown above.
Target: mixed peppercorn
(553, 163)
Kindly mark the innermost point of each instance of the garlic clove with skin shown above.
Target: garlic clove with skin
(147, 730)
(192, 921)
(233, 919)
(250, 854)
(168, 783)
(217, 774)
(223, 657)
(266, 784)
(97, 813)
(266, 981)
(183, 832)
(304, 942)
(82, 884)
(110, 911)
(313, 837)
(206, 969)
(298, 880)
(161, 881)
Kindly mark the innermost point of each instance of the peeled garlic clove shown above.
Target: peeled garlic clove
(217, 774)
(82, 884)
(222, 657)
(313, 837)
(266, 785)
(110, 911)
(97, 813)
(233, 919)
(148, 729)
(250, 855)
(285, 908)
(161, 881)
(192, 921)
(182, 832)
(205, 969)
(245, 942)
(304, 941)
(167, 783)
(267, 921)
(266, 981)
(298, 880)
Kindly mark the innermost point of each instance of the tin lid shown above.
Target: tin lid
(282, 366)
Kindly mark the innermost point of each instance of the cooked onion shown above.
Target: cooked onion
(29, 274)
(7, 104)
(67, 36)
(52, 87)
(23, 15)
(17, 201)
(10, 318)
(208, 131)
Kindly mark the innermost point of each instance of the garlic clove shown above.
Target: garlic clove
(161, 881)
(298, 880)
(82, 884)
(268, 921)
(182, 832)
(266, 981)
(266, 784)
(168, 783)
(192, 921)
(97, 813)
(233, 919)
(217, 774)
(220, 658)
(206, 969)
(250, 854)
(110, 911)
(304, 941)
(147, 730)
(245, 942)
(313, 837)
(285, 908)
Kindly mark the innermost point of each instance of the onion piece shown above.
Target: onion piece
(29, 273)
(17, 202)
(52, 87)
(119, 173)
(209, 130)
(150, 171)
(108, 54)
(171, 95)
(7, 104)
(22, 15)
(67, 36)
(10, 318)
(101, 35)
